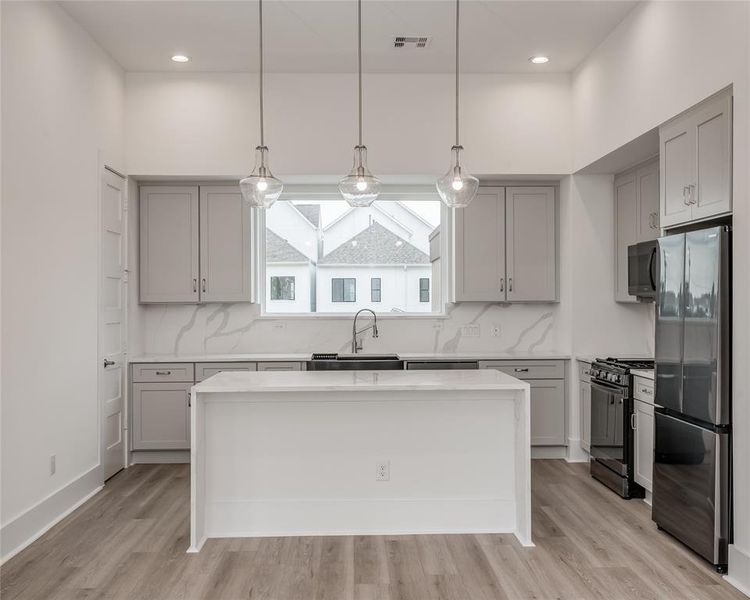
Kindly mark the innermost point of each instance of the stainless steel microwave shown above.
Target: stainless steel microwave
(642, 263)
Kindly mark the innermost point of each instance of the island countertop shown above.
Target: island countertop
(324, 381)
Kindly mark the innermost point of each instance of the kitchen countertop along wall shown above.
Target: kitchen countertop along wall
(303, 357)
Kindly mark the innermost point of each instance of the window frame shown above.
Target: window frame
(318, 192)
(294, 288)
(424, 291)
(379, 289)
(343, 281)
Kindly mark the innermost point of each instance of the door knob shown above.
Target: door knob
(108, 363)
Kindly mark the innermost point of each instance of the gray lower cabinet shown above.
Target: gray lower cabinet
(206, 370)
(161, 416)
(643, 462)
(279, 366)
(584, 396)
(547, 381)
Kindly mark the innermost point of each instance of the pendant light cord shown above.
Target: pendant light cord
(457, 18)
(260, 87)
(359, 63)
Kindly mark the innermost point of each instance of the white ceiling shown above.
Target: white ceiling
(320, 35)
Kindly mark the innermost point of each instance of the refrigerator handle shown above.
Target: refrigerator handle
(651, 263)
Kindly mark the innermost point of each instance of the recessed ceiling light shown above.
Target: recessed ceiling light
(539, 59)
(180, 58)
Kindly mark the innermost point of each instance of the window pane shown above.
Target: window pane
(424, 289)
(326, 249)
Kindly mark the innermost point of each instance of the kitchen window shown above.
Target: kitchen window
(424, 289)
(282, 288)
(343, 290)
(375, 295)
(331, 251)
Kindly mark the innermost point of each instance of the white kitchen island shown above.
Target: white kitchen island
(302, 453)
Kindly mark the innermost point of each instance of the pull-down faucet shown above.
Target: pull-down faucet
(357, 343)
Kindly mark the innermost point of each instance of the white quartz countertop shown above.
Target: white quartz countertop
(314, 381)
(302, 357)
(645, 373)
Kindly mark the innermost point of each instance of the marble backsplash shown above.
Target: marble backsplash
(239, 328)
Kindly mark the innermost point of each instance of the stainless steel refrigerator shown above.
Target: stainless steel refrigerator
(692, 451)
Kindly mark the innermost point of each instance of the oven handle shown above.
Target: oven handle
(608, 387)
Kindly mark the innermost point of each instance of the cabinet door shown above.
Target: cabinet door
(547, 412)
(585, 398)
(643, 462)
(626, 230)
(531, 244)
(225, 249)
(480, 247)
(161, 416)
(713, 162)
(648, 201)
(677, 155)
(169, 244)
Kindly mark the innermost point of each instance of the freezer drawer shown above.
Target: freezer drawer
(691, 496)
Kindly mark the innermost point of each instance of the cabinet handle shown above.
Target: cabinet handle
(520, 370)
(189, 400)
(510, 284)
(685, 200)
(502, 284)
(203, 285)
(632, 422)
(691, 192)
(195, 284)
(164, 372)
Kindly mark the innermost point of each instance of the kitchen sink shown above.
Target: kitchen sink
(355, 362)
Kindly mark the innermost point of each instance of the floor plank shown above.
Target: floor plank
(128, 543)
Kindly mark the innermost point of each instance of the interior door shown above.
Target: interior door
(112, 330)
(531, 244)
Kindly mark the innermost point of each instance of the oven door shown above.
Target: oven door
(608, 417)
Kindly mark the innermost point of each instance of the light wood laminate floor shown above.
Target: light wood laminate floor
(129, 542)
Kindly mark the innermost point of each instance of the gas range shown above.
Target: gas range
(617, 370)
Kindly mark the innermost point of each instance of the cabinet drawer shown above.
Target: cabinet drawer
(584, 371)
(206, 370)
(279, 366)
(154, 372)
(527, 369)
(643, 389)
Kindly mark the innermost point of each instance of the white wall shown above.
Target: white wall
(199, 124)
(663, 58)
(62, 103)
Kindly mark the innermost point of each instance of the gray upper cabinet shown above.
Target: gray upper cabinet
(195, 244)
(696, 162)
(531, 244)
(480, 247)
(225, 231)
(506, 246)
(636, 197)
(169, 244)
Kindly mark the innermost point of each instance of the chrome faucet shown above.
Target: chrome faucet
(357, 343)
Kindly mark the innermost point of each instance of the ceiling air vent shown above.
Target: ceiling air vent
(411, 41)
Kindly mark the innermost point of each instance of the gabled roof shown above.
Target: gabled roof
(375, 245)
(278, 250)
(311, 212)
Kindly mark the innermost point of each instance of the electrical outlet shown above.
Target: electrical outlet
(52, 464)
(495, 330)
(470, 331)
(383, 471)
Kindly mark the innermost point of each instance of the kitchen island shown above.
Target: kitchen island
(359, 452)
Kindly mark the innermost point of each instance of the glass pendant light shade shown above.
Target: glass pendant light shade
(360, 187)
(261, 189)
(457, 187)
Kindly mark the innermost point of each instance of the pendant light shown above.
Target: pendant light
(261, 189)
(360, 187)
(457, 187)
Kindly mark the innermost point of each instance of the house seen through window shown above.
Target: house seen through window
(322, 256)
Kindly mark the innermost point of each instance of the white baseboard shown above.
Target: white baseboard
(154, 457)
(576, 454)
(279, 517)
(739, 569)
(549, 452)
(40, 518)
